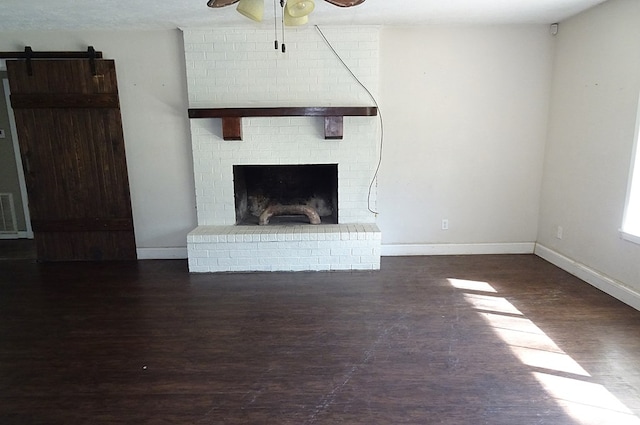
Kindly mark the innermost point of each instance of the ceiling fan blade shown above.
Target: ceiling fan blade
(221, 3)
(340, 3)
(345, 3)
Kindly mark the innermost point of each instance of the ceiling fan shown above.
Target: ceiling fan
(339, 3)
(294, 12)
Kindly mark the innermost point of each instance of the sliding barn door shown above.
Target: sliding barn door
(70, 133)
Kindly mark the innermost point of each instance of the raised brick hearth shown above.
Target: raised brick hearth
(284, 248)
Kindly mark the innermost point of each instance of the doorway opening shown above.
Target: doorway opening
(12, 180)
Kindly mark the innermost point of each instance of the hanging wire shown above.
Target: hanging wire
(375, 102)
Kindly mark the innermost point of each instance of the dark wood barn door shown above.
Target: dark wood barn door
(70, 134)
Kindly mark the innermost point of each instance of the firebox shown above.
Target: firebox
(281, 194)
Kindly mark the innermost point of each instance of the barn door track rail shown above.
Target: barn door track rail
(28, 54)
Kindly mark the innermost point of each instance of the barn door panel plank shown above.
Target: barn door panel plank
(70, 132)
(73, 100)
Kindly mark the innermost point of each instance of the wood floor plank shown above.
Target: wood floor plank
(504, 339)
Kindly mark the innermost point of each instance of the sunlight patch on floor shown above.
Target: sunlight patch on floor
(559, 374)
(531, 345)
(472, 285)
(491, 303)
(590, 403)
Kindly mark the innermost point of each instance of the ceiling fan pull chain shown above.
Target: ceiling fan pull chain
(275, 24)
(282, 5)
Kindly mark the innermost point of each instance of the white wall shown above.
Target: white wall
(153, 99)
(465, 112)
(596, 83)
(465, 115)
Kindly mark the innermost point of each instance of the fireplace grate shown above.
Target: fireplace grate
(286, 193)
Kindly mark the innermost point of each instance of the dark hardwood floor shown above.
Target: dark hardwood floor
(17, 249)
(427, 340)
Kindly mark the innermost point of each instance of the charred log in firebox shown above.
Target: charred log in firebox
(272, 210)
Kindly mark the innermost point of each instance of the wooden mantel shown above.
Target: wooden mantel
(333, 117)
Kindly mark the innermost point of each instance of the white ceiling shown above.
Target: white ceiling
(19, 15)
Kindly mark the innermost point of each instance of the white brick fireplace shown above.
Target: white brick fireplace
(239, 68)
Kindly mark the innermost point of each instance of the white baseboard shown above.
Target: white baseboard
(391, 250)
(173, 253)
(606, 284)
(18, 235)
(387, 250)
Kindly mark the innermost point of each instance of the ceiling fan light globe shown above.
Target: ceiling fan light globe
(290, 21)
(252, 9)
(299, 8)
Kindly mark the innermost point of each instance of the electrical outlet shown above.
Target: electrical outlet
(2, 134)
(559, 231)
(445, 224)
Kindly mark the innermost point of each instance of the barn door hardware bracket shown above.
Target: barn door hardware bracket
(29, 54)
(92, 60)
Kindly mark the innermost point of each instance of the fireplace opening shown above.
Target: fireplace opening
(286, 194)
